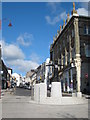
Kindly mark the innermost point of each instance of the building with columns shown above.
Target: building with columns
(0, 68)
(70, 50)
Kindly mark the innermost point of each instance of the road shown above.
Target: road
(19, 105)
(22, 92)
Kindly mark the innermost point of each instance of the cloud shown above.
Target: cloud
(15, 58)
(25, 39)
(34, 57)
(52, 6)
(11, 51)
(56, 19)
(23, 65)
(82, 11)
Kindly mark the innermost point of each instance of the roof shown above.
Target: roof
(9, 68)
(67, 24)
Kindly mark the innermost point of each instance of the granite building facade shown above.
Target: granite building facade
(71, 51)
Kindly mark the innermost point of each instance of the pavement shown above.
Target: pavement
(0, 109)
(20, 106)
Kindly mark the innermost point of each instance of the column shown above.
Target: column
(63, 83)
(70, 48)
(78, 76)
(76, 36)
(77, 57)
(71, 81)
(65, 56)
(58, 63)
(61, 60)
(68, 89)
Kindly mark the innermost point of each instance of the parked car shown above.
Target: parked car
(27, 86)
(21, 85)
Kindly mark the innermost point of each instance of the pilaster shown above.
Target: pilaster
(77, 55)
(70, 48)
(65, 56)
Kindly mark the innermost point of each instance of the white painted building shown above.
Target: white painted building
(27, 79)
(44, 72)
(17, 78)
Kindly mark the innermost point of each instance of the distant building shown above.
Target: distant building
(29, 75)
(4, 73)
(44, 72)
(71, 51)
(17, 78)
(9, 76)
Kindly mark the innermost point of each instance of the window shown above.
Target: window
(63, 60)
(51, 56)
(89, 29)
(68, 58)
(73, 53)
(86, 29)
(67, 39)
(72, 33)
(87, 50)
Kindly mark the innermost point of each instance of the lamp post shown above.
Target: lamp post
(55, 65)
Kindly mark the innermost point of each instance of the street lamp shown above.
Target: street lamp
(55, 65)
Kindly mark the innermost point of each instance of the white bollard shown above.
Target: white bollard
(37, 92)
(79, 94)
(43, 91)
(56, 90)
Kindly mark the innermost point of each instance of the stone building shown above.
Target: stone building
(4, 73)
(44, 72)
(71, 52)
(0, 68)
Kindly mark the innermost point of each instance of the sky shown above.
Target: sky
(26, 44)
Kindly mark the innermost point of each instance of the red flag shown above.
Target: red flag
(10, 24)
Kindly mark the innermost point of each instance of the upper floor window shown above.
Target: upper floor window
(87, 50)
(72, 33)
(64, 60)
(86, 29)
(67, 38)
(51, 56)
